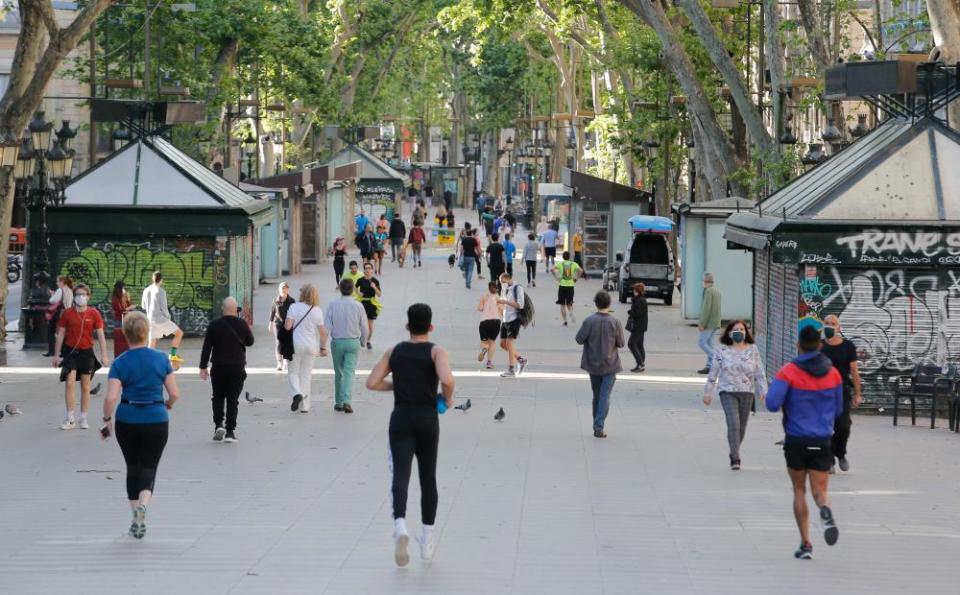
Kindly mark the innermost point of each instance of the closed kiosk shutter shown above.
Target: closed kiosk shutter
(761, 300)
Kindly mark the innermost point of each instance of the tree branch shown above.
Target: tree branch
(810, 20)
(577, 37)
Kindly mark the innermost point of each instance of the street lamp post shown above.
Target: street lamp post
(41, 173)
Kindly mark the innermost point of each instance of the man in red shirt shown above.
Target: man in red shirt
(74, 353)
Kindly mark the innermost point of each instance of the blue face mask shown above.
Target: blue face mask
(738, 336)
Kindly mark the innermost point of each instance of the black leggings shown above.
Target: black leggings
(841, 428)
(142, 445)
(338, 268)
(531, 270)
(479, 269)
(635, 344)
(415, 431)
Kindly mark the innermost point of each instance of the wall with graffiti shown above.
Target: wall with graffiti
(194, 270)
(897, 317)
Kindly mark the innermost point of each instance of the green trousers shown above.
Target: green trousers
(345, 353)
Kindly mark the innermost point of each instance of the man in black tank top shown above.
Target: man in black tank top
(417, 366)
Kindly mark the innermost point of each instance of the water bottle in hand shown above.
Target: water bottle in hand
(441, 405)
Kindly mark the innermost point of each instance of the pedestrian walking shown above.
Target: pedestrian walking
(225, 346)
(154, 303)
(496, 261)
(481, 208)
(278, 314)
(61, 299)
(354, 274)
(76, 359)
(309, 339)
(737, 374)
(843, 355)
(578, 248)
(361, 222)
(488, 219)
(469, 248)
(509, 252)
(491, 314)
(383, 225)
(398, 233)
(367, 243)
(379, 250)
(637, 326)
(418, 369)
(567, 272)
(530, 252)
(368, 293)
(601, 336)
(478, 256)
(542, 227)
(549, 239)
(346, 322)
(512, 299)
(119, 305)
(416, 240)
(709, 319)
(448, 201)
(498, 224)
(441, 218)
(339, 258)
(809, 390)
(141, 421)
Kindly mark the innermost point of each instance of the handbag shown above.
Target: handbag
(285, 337)
(631, 324)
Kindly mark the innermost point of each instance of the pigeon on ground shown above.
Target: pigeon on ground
(500, 415)
(95, 389)
(465, 406)
(12, 409)
(252, 399)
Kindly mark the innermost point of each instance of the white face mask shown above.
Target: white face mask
(81, 300)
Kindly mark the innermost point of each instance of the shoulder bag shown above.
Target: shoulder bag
(285, 337)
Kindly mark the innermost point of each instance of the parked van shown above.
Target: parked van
(648, 259)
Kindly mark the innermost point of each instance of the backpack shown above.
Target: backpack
(525, 315)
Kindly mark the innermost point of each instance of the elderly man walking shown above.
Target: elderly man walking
(601, 336)
(225, 345)
(709, 319)
(346, 321)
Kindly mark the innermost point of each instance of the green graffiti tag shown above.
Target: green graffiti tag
(188, 275)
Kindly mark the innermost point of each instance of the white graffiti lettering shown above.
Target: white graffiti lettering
(873, 243)
(827, 258)
(787, 244)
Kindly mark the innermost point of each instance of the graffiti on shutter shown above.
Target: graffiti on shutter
(896, 317)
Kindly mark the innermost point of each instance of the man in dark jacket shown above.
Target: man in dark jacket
(398, 232)
(810, 393)
(601, 336)
(227, 338)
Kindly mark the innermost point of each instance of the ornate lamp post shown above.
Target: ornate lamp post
(42, 171)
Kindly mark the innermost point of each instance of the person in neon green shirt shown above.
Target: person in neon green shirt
(567, 272)
(354, 275)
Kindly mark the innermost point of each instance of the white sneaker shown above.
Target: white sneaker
(219, 433)
(83, 424)
(400, 554)
(280, 367)
(68, 425)
(427, 546)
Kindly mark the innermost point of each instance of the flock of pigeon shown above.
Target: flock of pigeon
(465, 406)
(11, 409)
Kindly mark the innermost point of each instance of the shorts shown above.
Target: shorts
(510, 330)
(550, 252)
(162, 329)
(565, 295)
(370, 309)
(489, 330)
(84, 361)
(808, 454)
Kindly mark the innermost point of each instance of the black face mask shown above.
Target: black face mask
(829, 332)
(738, 336)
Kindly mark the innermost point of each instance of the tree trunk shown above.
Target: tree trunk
(816, 37)
(719, 161)
(739, 90)
(945, 23)
(774, 51)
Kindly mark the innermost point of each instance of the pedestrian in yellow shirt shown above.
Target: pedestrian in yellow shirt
(566, 271)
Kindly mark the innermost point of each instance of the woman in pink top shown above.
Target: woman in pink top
(490, 315)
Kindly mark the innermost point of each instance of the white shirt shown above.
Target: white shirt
(62, 295)
(306, 335)
(154, 302)
(509, 312)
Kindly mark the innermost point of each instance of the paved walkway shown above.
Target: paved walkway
(531, 505)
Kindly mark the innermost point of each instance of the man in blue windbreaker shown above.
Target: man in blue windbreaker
(810, 392)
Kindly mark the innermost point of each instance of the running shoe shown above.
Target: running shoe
(564, 323)
(830, 531)
(573, 319)
(844, 464)
(483, 354)
(338, 407)
(599, 434)
(508, 374)
(369, 345)
(68, 424)
(427, 546)
(523, 364)
(833, 469)
(140, 520)
(400, 554)
(804, 552)
(534, 283)
(489, 365)
(297, 399)
(735, 466)
(176, 359)
(638, 369)
(280, 367)
(231, 437)
(83, 425)
(218, 434)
